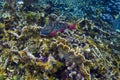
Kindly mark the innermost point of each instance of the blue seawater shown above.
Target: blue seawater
(116, 23)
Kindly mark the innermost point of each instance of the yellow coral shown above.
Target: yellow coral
(81, 57)
(21, 53)
(84, 72)
(63, 46)
(61, 40)
(2, 26)
(88, 63)
(91, 42)
(53, 45)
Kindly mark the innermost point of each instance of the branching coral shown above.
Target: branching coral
(2, 28)
(82, 53)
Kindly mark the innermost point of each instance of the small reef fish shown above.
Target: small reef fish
(52, 28)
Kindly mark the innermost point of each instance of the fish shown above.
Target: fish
(52, 28)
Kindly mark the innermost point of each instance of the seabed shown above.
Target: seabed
(89, 51)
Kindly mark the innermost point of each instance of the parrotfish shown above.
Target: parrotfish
(57, 26)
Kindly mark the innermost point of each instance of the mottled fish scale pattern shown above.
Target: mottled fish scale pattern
(54, 27)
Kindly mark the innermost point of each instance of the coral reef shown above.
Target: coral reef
(87, 52)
